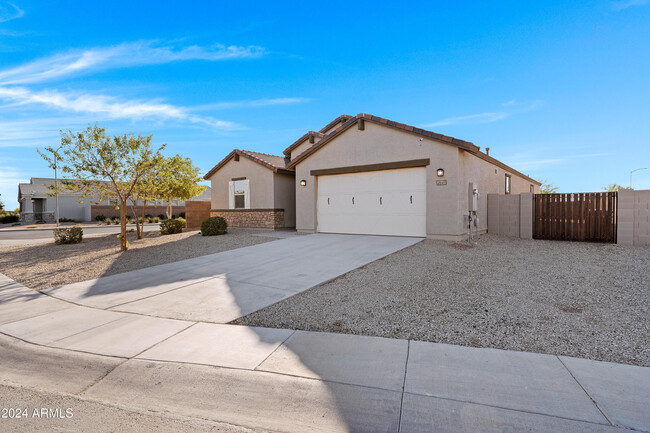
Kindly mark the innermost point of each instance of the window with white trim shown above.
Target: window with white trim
(508, 183)
(239, 194)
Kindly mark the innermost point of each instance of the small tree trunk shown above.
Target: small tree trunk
(144, 206)
(123, 245)
(169, 208)
(137, 223)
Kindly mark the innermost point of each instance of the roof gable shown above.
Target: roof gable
(275, 163)
(381, 121)
(363, 117)
(310, 135)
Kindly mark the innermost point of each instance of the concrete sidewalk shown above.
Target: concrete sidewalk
(299, 381)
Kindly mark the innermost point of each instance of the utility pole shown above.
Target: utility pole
(56, 185)
(645, 168)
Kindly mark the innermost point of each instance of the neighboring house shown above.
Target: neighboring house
(37, 204)
(367, 175)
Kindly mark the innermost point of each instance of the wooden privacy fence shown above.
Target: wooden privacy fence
(589, 217)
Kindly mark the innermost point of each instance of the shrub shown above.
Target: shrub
(214, 226)
(7, 219)
(182, 220)
(108, 221)
(100, 218)
(182, 215)
(149, 219)
(116, 220)
(72, 235)
(162, 216)
(156, 219)
(66, 220)
(148, 215)
(169, 227)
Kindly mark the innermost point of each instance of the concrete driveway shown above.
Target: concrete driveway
(221, 287)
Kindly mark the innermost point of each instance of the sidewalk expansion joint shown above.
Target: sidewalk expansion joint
(585, 391)
(401, 402)
(506, 408)
(274, 350)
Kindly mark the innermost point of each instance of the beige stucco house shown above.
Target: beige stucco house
(252, 189)
(368, 175)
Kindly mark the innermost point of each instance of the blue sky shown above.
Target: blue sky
(559, 90)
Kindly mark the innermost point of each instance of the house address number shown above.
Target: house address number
(441, 182)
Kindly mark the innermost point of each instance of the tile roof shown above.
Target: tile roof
(298, 142)
(341, 119)
(465, 145)
(272, 162)
(380, 120)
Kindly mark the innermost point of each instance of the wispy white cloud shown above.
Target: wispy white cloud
(509, 108)
(528, 161)
(624, 4)
(9, 11)
(249, 103)
(472, 118)
(39, 132)
(120, 56)
(109, 106)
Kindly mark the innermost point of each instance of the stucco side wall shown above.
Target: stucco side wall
(261, 183)
(490, 179)
(284, 190)
(69, 207)
(380, 144)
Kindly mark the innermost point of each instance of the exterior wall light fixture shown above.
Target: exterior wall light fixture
(440, 172)
(303, 182)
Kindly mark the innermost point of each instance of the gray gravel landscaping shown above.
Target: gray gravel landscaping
(43, 266)
(564, 298)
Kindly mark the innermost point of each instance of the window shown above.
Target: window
(532, 188)
(239, 194)
(508, 182)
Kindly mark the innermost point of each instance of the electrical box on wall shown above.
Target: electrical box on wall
(473, 196)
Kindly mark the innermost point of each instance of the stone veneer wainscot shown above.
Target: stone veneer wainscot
(251, 218)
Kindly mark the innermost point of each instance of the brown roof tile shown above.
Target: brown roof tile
(465, 145)
(341, 119)
(272, 162)
(298, 142)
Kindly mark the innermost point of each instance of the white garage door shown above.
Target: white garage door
(387, 202)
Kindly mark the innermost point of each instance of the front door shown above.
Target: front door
(38, 209)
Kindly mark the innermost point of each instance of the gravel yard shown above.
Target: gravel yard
(564, 298)
(43, 266)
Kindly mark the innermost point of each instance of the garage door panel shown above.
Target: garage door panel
(389, 202)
